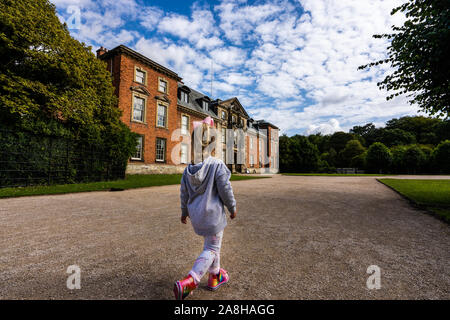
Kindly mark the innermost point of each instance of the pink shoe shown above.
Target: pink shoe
(216, 280)
(183, 288)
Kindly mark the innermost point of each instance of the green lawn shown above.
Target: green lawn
(130, 182)
(336, 174)
(433, 195)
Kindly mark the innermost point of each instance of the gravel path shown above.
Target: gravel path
(295, 237)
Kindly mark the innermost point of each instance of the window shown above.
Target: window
(251, 160)
(138, 154)
(160, 149)
(184, 124)
(161, 120)
(184, 153)
(140, 76)
(138, 109)
(224, 135)
(242, 123)
(184, 97)
(251, 143)
(224, 115)
(162, 86)
(205, 105)
(234, 119)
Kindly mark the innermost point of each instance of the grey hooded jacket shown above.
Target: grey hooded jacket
(205, 189)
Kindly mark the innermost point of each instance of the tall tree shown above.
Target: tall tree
(378, 158)
(352, 149)
(419, 55)
(48, 79)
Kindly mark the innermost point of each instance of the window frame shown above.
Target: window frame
(141, 137)
(144, 111)
(181, 153)
(224, 135)
(205, 105)
(160, 79)
(182, 92)
(136, 69)
(156, 149)
(183, 115)
(166, 106)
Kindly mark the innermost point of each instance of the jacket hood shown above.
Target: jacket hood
(197, 174)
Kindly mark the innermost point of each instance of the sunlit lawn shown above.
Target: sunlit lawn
(130, 182)
(433, 195)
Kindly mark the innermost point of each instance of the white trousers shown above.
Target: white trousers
(209, 259)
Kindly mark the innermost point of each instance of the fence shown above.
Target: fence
(28, 159)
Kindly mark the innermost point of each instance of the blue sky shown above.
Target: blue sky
(293, 63)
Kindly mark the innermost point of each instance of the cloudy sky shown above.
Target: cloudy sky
(291, 62)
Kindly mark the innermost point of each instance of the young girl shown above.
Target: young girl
(205, 189)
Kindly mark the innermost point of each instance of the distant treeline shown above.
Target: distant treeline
(405, 145)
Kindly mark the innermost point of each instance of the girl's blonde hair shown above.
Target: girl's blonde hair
(203, 143)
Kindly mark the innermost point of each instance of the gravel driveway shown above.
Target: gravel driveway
(295, 237)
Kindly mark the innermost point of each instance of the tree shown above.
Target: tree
(352, 149)
(414, 159)
(363, 130)
(330, 157)
(378, 158)
(419, 55)
(441, 156)
(394, 137)
(300, 154)
(423, 128)
(398, 157)
(52, 84)
(339, 139)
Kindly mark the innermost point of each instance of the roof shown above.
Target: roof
(194, 103)
(230, 102)
(266, 123)
(124, 49)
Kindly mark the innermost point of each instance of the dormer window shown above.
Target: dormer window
(184, 97)
(205, 105)
(224, 115)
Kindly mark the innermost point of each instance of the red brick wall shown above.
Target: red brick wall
(125, 74)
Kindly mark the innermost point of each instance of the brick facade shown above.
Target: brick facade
(127, 68)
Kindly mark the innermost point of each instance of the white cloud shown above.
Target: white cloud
(228, 56)
(291, 62)
(325, 128)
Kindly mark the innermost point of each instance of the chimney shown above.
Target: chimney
(101, 51)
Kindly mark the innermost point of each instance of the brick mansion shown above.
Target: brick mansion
(155, 102)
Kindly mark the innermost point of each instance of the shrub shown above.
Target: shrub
(441, 157)
(378, 158)
(414, 159)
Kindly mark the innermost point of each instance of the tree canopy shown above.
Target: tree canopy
(408, 144)
(50, 82)
(53, 85)
(419, 53)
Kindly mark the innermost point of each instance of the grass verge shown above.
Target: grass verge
(431, 195)
(130, 182)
